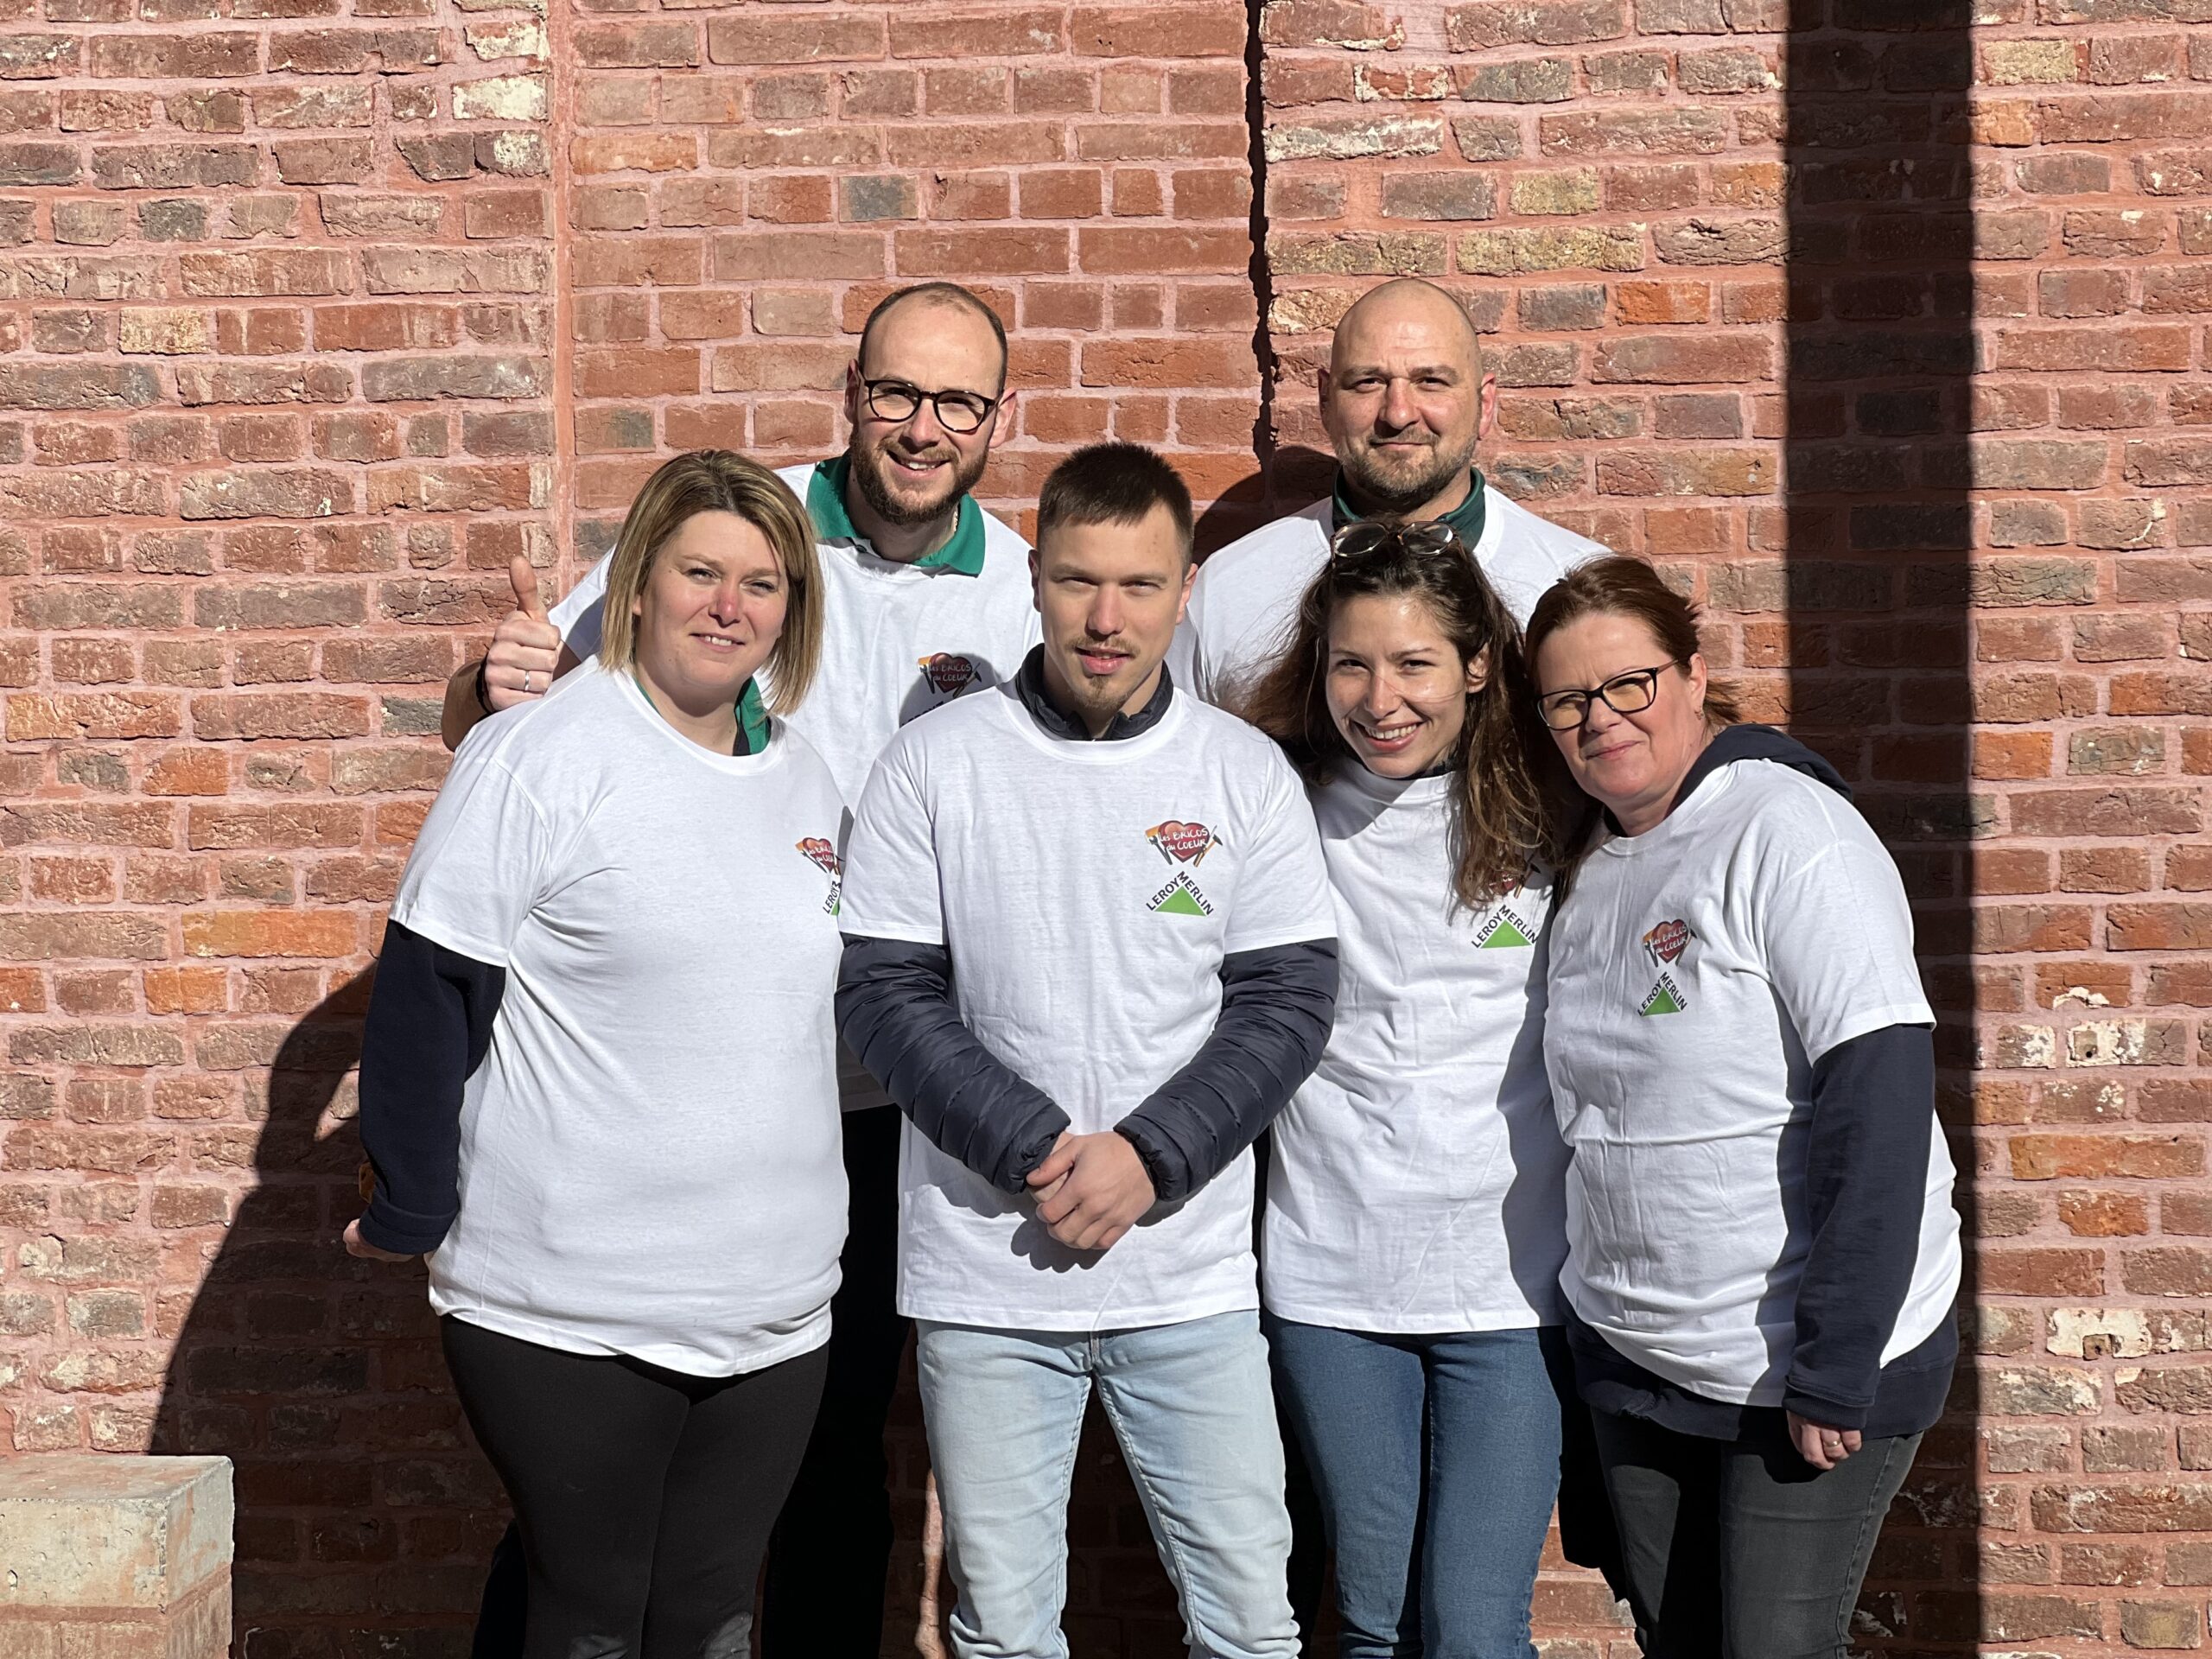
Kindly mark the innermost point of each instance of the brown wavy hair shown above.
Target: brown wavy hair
(1506, 811)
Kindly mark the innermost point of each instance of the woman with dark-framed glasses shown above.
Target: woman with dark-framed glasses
(1763, 1254)
(1414, 1224)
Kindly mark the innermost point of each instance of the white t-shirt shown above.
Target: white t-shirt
(898, 640)
(649, 1153)
(1697, 973)
(1244, 607)
(1417, 1178)
(1088, 892)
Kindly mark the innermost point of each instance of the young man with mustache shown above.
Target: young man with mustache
(926, 599)
(1132, 886)
(1405, 399)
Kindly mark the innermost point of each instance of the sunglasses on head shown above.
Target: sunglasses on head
(1368, 537)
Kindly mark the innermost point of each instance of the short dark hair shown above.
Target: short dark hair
(949, 294)
(1113, 484)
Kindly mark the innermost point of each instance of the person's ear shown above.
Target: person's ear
(1479, 671)
(1183, 595)
(854, 393)
(1694, 671)
(1488, 396)
(1036, 583)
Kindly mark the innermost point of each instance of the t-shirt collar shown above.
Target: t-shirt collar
(825, 504)
(1466, 519)
(1029, 686)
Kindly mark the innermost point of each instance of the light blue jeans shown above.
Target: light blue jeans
(1193, 1411)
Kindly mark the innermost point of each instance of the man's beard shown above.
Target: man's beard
(1402, 491)
(871, 467)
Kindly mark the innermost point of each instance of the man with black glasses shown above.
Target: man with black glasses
(926, 599)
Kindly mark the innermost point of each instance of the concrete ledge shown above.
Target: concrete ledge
(115, 1558)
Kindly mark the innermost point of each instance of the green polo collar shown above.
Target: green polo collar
(1466, 519)
(825, 504)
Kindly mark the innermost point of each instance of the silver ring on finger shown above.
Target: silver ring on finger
(525, 683)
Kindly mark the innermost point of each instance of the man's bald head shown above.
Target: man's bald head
(1401, 305)
(1405, 400)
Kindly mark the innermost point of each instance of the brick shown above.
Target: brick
(1488, 24)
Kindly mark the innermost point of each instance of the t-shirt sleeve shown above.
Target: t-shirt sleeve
(1282, 889)
(579, 615)
(891, 870)
(1838, 933)
(480, 864)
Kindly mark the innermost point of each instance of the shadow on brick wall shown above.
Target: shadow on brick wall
(1876, 532)
(365, 1515)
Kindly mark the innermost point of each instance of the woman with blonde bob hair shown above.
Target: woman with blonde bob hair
(599, 1085)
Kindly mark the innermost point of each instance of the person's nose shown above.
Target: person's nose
(1399, 410)
(727, 603)
(1104, 620)
(1601, 717)
(922, 428)
(1382, 698)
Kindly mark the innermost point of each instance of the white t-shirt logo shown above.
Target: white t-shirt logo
(1666, 943)
(948, 674)
(1181, 843)
(1506, 930)
(823, 853)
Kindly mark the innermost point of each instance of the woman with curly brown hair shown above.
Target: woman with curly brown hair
(1414, 1224)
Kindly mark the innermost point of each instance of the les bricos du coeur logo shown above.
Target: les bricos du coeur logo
(948, 675)
(822, 855)
(1665, 944)
(1185, 846)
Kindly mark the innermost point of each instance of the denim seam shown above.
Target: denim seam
(1163, 1533)
(1871, 1521)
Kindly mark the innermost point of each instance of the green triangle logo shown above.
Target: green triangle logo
(1504, 936)
(1662, 1000)
(1179, 903)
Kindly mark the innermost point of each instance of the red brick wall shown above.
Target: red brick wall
(1877, 322)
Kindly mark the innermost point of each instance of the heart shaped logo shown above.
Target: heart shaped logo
(822, 853)
(1179, 842)
(1666, 941)
(948, 673)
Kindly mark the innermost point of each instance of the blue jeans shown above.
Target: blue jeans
(1190, 1406)
(1437, 1458)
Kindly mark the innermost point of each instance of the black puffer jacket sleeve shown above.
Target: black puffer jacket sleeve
(896, 1014)
(1866, 1190)
(429, 1028)
(1276, 1007)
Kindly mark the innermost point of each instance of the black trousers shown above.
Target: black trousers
(643, 1497)
(831, 1551)
(1740, 1549)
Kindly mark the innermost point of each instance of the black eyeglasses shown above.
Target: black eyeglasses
(1625, 694)
(1368, 535)
(957, 411)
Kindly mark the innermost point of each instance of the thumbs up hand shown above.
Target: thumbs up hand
(525, 647)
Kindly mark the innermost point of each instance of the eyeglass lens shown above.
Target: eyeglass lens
(957, 411)
(1625, 694)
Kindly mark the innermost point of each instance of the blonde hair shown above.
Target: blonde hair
(716, 480)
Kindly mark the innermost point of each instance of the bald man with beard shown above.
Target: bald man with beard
(1405, 400)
